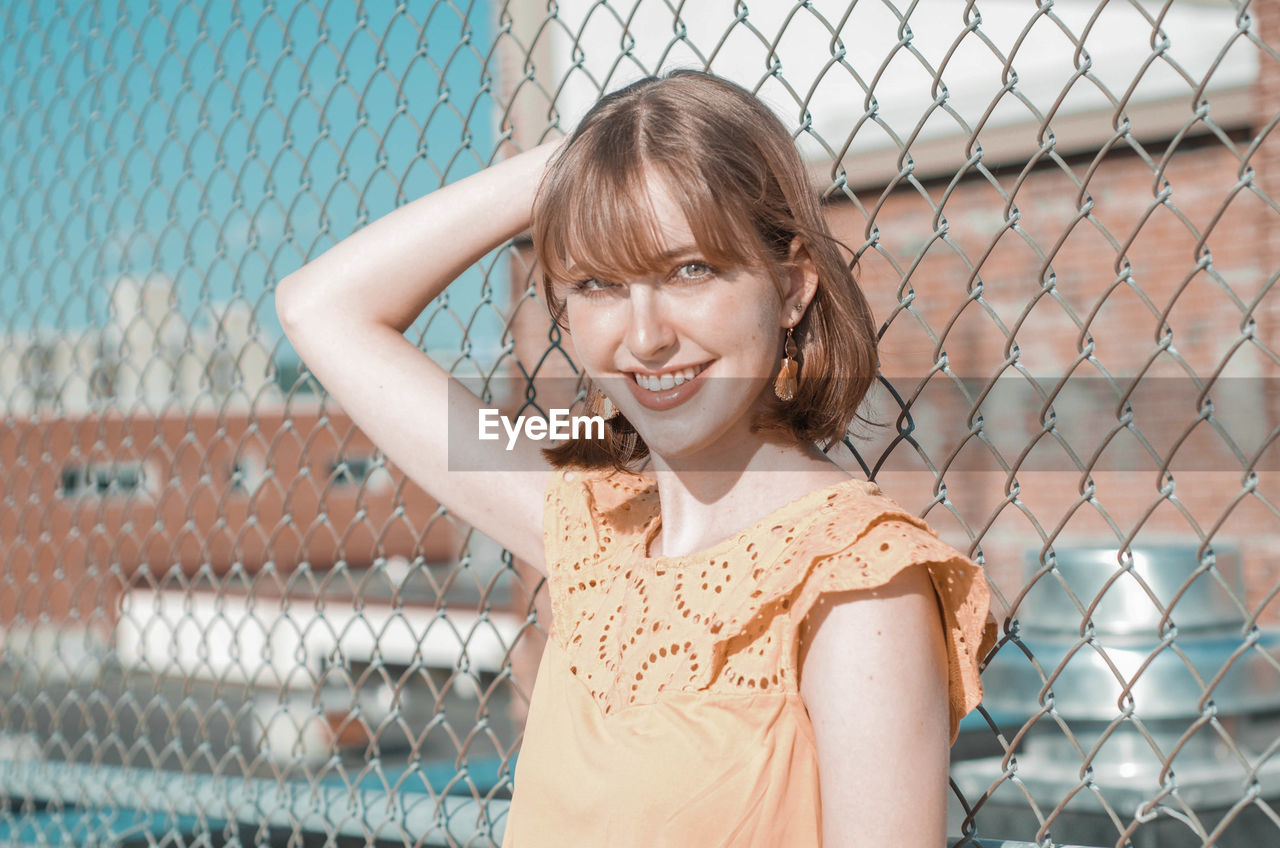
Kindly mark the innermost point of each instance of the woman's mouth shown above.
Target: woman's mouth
(671, 388)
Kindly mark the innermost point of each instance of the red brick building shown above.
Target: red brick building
(96, 504)
(1143, 254)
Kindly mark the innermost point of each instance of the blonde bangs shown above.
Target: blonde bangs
(602, 226)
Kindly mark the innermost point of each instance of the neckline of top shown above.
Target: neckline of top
(654, 524)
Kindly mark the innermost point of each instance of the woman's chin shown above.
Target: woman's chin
(686, 445)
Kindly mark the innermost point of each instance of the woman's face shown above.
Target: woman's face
(688, 351)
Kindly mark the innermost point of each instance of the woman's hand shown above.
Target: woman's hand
(390, 271)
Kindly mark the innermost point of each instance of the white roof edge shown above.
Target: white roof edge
(1150, 121)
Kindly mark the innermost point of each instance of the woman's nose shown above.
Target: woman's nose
(649, 331)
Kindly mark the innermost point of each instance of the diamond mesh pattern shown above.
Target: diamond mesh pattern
(226, 619)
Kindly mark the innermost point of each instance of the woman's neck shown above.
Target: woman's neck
(702, 507)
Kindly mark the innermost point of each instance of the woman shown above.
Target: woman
(740, 652)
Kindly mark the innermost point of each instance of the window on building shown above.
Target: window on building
(102, 379)
(368, 472)
(245, 474)
(292, 376)
(112, 479)
(221, 372)
(350, 470)
(38, 371)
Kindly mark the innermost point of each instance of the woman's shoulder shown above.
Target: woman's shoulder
(849, 536)
(837, 511)
(875, 531)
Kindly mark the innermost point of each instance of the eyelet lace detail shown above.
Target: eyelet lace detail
(727, 621)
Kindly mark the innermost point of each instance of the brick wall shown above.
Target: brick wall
(1105, 262)
(1056, 289)
(68, 559)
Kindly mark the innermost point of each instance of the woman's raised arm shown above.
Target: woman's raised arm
(346, 312)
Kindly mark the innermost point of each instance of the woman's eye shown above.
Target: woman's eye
(593, 286)
(695, 270)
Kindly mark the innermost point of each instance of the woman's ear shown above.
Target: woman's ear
(802, 282)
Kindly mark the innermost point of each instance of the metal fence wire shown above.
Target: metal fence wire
(227, 620)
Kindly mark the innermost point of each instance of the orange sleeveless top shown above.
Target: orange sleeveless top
(666, 709)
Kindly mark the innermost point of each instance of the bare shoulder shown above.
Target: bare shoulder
(874, 683)
(859, 613)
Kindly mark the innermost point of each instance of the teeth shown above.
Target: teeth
(669, 380)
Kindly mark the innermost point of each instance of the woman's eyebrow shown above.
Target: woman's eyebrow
(668, 255)
(678, 251)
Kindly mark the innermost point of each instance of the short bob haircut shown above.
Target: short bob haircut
(734, 170)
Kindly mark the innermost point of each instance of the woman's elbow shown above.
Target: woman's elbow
(289, 303)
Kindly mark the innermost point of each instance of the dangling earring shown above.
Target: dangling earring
(598, 403)
(784, 385)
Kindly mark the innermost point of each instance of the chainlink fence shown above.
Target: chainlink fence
(227, 621)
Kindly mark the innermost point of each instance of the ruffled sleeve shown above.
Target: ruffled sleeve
(888, 547)
(861, 543)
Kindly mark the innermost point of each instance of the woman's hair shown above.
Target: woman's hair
(735, 173)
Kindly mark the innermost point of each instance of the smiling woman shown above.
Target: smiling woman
(696, 196)
(749, 647)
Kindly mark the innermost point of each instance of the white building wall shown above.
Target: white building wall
(858, 65)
